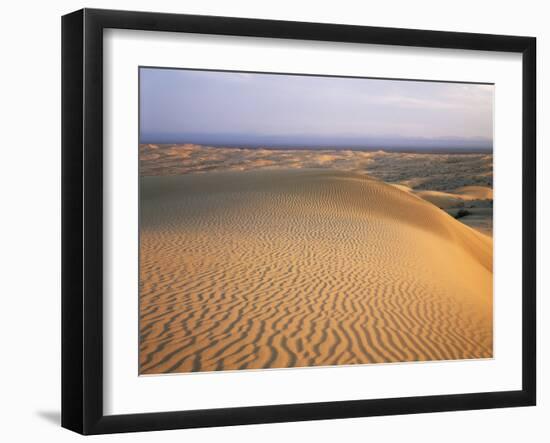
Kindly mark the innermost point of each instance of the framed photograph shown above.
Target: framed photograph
(269, 221)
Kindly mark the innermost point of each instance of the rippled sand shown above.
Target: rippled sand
(305, 267)
(451, 181)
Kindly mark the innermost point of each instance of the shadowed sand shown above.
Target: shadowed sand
(305, 267)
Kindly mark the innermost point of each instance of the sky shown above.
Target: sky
(279, 110)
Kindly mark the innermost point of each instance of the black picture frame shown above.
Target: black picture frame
(82, 218)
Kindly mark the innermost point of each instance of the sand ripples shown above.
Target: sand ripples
(273, 269)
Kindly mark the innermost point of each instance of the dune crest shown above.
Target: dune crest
(312, 267)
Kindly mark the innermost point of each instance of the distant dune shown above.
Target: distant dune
(479, 196)
(277, 268)
(474, 204)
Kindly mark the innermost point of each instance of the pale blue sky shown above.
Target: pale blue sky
(227, 108)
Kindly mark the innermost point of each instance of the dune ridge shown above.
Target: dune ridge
(310, 267)
(451, 181)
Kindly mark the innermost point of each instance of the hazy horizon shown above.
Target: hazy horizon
(234, 109)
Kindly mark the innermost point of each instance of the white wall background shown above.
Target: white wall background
(30, 218)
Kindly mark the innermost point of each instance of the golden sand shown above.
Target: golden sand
(289, 268)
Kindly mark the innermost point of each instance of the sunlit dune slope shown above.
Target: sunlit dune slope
(476, 196)
(476, 192)
(287, 268)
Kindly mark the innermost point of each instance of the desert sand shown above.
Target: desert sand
(252, 268)
(472, 205)
(458, 183)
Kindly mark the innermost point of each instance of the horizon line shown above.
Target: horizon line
(394, 148)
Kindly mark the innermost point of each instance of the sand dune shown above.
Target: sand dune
(420, 171)
(475, 192)
(475, 196)
(288, 268)
(476, 200)
(449, 181)
(472, 196)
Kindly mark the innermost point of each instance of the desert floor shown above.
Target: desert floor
(311, 265)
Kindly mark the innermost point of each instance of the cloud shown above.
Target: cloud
(183, 103)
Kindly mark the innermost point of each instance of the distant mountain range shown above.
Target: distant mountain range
(474, 144)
